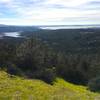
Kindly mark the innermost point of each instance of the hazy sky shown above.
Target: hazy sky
(49, 12)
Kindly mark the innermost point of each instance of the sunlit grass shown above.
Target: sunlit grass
(16, 88)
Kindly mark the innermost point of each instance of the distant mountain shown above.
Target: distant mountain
(12, 28)
(2, 25)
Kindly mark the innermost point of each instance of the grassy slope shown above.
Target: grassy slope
(15, 88)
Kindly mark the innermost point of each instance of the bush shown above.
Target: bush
(13, 70)
(94, 84)
(48, 75)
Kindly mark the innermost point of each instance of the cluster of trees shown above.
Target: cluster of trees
(35, 59)
(84, 41)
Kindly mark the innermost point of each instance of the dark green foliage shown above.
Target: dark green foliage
(94, 84)
(70, 69)
(48, 75)
(36, 60)
(7, 55)
(73, 41)
(14, 70)
(7, 50)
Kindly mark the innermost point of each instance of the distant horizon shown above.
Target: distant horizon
(53, 25)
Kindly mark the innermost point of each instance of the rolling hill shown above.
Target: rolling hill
(17, 88)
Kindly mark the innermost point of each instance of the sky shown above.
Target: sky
(49, 12)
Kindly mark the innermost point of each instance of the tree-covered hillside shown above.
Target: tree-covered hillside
(85, 41)
(32, 58)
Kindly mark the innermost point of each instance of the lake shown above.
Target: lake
(12, 34)
(54, 27)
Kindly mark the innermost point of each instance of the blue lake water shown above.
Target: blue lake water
(12, 34)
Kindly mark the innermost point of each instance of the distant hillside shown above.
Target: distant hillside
(84, 40)
(16, 88)
(70, 40)
(11, 28)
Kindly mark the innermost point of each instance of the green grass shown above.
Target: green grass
(16, 88)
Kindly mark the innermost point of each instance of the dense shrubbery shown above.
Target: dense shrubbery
(34, 59)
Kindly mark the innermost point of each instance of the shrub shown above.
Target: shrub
(94, 84)
(48, 75)
(14, 70)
